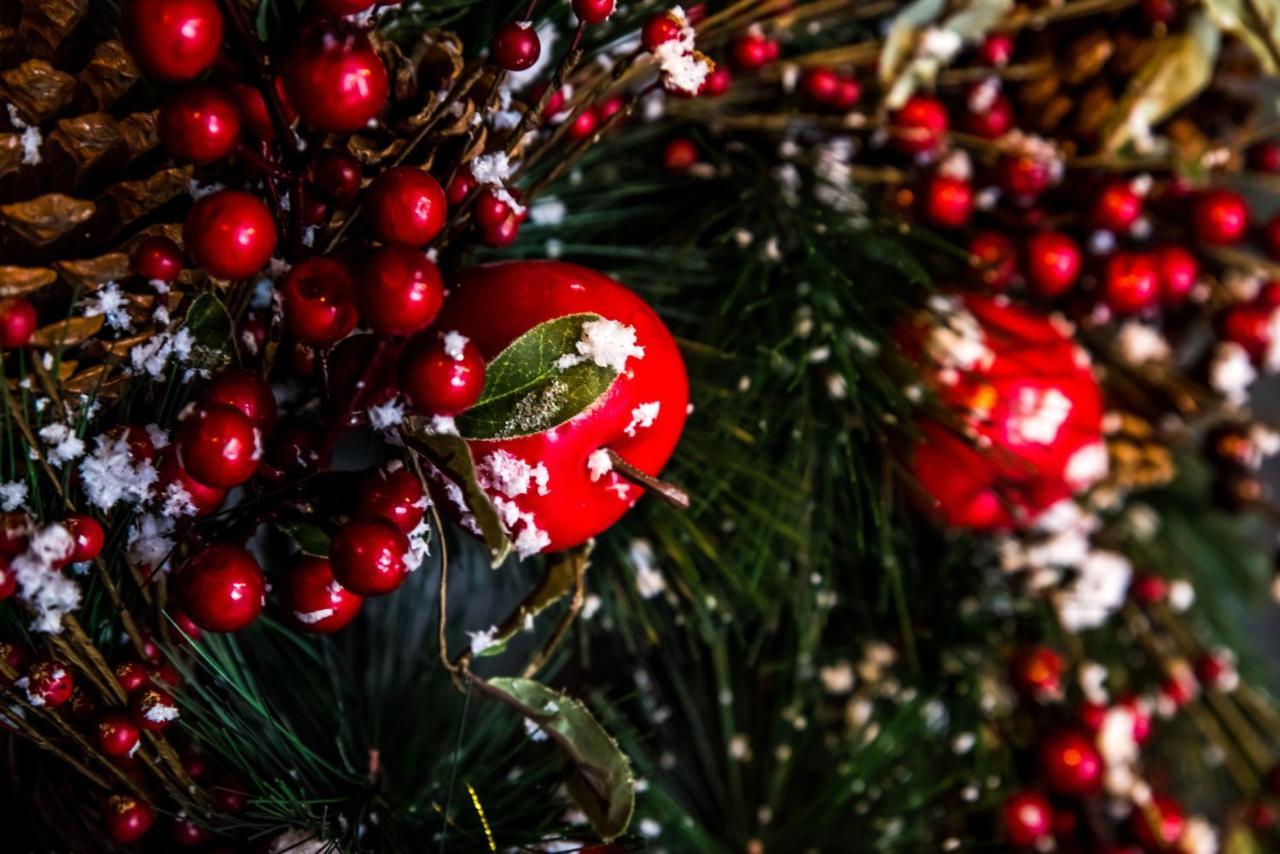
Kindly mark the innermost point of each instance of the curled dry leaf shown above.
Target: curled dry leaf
(67, 333)
(1254, 22)
(16, 281)
(36, 89)
(44, 219)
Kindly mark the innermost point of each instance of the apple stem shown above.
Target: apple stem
(668, 492)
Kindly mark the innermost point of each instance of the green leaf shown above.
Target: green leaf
(310, 539)
(211, 329)
(601, 783)
(1177, 70)
(559, 577)
(903, 67)
(452, 457)
(1254, 22)
(525, 392)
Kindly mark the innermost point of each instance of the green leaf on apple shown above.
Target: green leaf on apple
(526, 388)
(452, 456)
(600, 780)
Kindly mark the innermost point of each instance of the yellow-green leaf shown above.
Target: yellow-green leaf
(1254, 22)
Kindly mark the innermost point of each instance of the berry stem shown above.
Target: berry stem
(668, 492)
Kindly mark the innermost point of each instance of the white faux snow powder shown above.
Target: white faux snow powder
(643, 416)
(599, 464)
(608, 343)
(454, 345)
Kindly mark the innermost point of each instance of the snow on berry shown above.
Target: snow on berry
(386, 416)
(1038, 415)
(12, 495)
(454, 345)
(493, 169)
(599, 463)
(508, 474)
(643, 416)
(608, 343)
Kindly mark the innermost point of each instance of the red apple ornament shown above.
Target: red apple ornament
(543, 457)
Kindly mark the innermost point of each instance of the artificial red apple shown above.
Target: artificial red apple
(551, 482)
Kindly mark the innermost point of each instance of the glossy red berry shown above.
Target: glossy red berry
(680, 155)
(1265, 156)
(1071, 763)
(132, 676)
(1131, 282)
(318, 603)
(1117, 207)
(1158, 825)
(296, 447)
(920, 125)
(221, 587)
(368, 556)
(172, 39)
(1148, 588)
(502, 234)
(593, 11)
(230, 234)
(1249, 325)
(254, 113)
(717, 82)
(751, 52)
(583, 125)
(1052, 263)
(461, 186)
(995, 257)
(87, 535)
(1037, 673)
(1270, 237)
(219, 446)
(1178, 271)
(49, 683)
(17, 322)
(993, 122)
(157, 259)
(392, 493)
(203, 498)
(996, 50)
(491, 208)
(660, 28)
(948, 201)
(200, 124)
(127, 818)
(406, 206)
(1220, 217)
(336, 174)
(1027, 818)
(153, 708)
(1025, 176)
(8, 578)
(820, 84)
(187, 834)
(516, 46)
(335, 79)
(243, 390)
(338, 8)
(848, 93)
(319, 301)
(609, 107)
(442, 375)
(115, 734)
(401, 291)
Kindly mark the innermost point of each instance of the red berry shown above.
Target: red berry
(1026, 817)
(680, 155)
(173, 477)
(1270, 236)
(157, 259)
(660, 28)
(717, 82)
(750, 52)
(335, 78)
(1149, 588)
(336, 174)
(49, 683)
(584, 124)
(1177, 270)
(1159, 11)
(172, 39)
(442, 375)
(593, 11)
(319, 604)
(88, 536)
(339, 8)
(15, 528)
(183, 624)
(254, 113)
(116, 734)
(848, 93)
(996, 258)
(996, 50)
(394, 494)
(400, 291)
(1265, 156)
(8, 578)
(406, 206)
(243, 390)
(1131, 282)
(502, 234)
(1220, 217)
(132, 676)
(319, 301)
(920, 125)
(819, 84)
(221, 588)
(1117, 208)
(1053, 263)
(188, 834)
(153, 708)
(461, 186)
(17, 322)
(128, 819)
(219, 446)
(296, 447)
(368, 556)
(230, 234)
(491, 209)
(200, 125)
(229, 797)
(1025, 176)
(993, 122)
(1214, 669)
(1071, 763)
(948, 201)
(516, 46)
(1037, 673)
(1158, 825)
(1249, 325)
(609, 107)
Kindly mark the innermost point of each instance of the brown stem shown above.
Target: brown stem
(566, 619)
(669, 492)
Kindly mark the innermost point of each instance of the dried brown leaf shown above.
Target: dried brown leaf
(46, 218)
(36, 89)
(45, 23)
(87, 139)
(138, 130)
(89, 274)
(67, 333)
(109, 73)
(15, 281)
(132, 199)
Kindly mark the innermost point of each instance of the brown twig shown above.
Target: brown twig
(668, 492)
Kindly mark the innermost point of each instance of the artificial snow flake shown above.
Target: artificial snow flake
(455, 344)
(493, 169)
(62, 443)
(1231, 373)
(161, 713)
(110, 474)
(547, 212)
(48, 593)
(599, 464)
(110, 303)
(30, 140)
(1096, 592)
(443, 425)
(151, 357)
(1087, 466)
(510, 475)
(150, 542)
(176, 501)
(1139, 343)
(643, 416)
(1038, 414)
(649, 580)
(312, 617)
(956, 340)
(386, 415)
(12, 495)
(483, 640)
